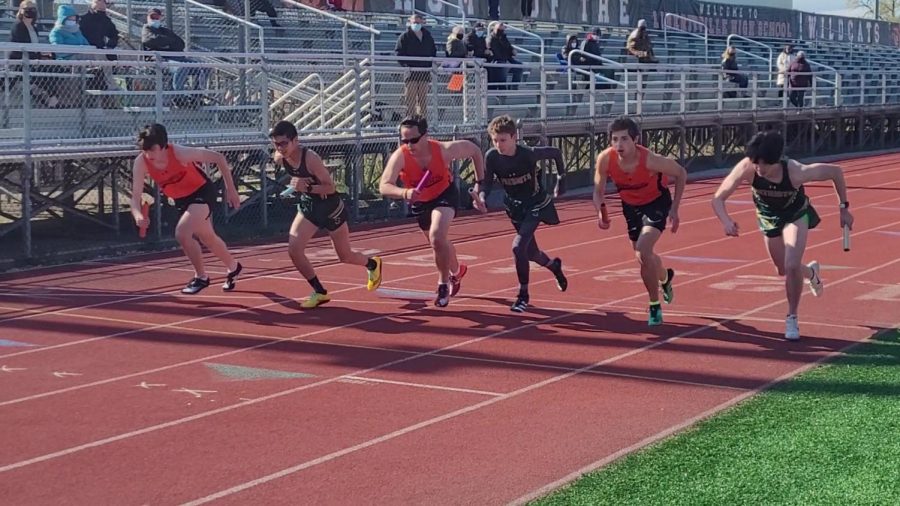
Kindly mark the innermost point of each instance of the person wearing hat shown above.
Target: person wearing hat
(476, 42)
(639, 44)
(156, 37)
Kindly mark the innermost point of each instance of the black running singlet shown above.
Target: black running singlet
(518, 173)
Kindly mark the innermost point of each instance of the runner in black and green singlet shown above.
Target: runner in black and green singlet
(783, 210)
(779, 203)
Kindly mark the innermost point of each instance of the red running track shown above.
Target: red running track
(115, 388)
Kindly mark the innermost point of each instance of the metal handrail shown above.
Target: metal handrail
(458, 6)
(751, 41)
(827, 67)
(705, 36)
(758, 57)
(300, 85)
(527, 33)
(601, 59)
(217, 12)
(347, 23)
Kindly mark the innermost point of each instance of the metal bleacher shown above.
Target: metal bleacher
(337, 74)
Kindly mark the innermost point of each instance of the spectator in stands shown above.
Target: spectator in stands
(476, 42)
(66, 31)
(785, 58)
(98, 29)
(729, 64)
(800, 76)
(639, 45)
(416, 42)
(456, 48)
(571, 44)
(156, 37)
(503, 53)
(591, 45)
(25, 31)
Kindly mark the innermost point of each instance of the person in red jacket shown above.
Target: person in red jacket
(176, 170)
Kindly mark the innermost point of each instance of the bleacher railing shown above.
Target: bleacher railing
(227, 24)
(345, 27)
(89, 103)
(666, 27)
(769, 61)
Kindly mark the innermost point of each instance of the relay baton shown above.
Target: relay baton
(604, 214)
(422, 182)
(846, 238)
(145, 212)
(288, 192)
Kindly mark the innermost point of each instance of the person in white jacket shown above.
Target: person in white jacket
(784, 62)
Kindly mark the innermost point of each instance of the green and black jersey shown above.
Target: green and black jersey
(778, 204)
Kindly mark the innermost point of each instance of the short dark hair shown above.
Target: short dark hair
(767, 146)
(416, 121)
(503, 125)
(283, 129)
(625, 123)
(153, 135)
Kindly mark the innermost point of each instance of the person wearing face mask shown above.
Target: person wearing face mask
(98, 28)
(414, 46)
(66, 31)
(571, 44)
(591, 45)
(456, 48)
(156, 37)
(476, 42)
(25, 31)
(503, 53)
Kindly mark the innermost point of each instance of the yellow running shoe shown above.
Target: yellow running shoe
(375, 275)
(315, 300)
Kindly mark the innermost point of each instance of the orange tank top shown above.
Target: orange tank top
(177, 180)
(639, 187)
(412, 173)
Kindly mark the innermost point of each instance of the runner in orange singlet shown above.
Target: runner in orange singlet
(435, 206)
(176, 170)
(640, 176)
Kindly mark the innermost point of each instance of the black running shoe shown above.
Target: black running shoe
(229, 280)
(556, 268)
(521, 303)
(443, 296)
(195, 286)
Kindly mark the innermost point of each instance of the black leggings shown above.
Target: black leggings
(527, 6)
(525, 248)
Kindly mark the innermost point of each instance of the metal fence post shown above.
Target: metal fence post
(265, 121)
(28, 166)
(355, 168)
(158, 113)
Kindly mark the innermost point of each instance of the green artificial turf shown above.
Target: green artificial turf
(828, 436)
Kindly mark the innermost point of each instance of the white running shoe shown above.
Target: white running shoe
(791, 328)
(815, 282)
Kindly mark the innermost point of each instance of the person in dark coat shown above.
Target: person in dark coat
(504, 53)
(416, 42)
(25, 31)
(800, 78)
(98, 29)
(476, 42)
